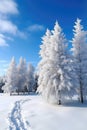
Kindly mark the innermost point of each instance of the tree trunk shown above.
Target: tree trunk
(81, 93)
(59, 100)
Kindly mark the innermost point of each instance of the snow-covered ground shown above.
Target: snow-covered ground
(32, 113)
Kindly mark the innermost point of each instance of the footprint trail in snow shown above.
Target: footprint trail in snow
(15, 119)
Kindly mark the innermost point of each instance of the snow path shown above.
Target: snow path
(15, 119)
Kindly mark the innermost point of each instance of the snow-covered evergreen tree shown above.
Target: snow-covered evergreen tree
(43, 65)
(44, 52)
(11, 78)
(22, 75)
(79, 49)
(54, 71)
(30, 78)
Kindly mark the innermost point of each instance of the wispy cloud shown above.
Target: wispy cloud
(7, 26)
(8, 8)
(36, 27)
(3, 40)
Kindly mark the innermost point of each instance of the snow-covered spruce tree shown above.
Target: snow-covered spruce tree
(22, 75)
(11, 78)
(54, 76)
(79, 49)
(30, 78)
(43, 68)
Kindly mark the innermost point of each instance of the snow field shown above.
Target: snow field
(32, 113)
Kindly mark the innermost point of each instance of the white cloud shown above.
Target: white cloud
(36, 27)
(3, 40)
(21, 34)
(8, 7)
(7, 26)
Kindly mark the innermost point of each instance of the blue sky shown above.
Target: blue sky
(24, 22)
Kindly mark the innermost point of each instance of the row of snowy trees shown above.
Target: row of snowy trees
(61, 72)
(19, 78)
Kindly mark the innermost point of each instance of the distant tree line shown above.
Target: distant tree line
(19, 78)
